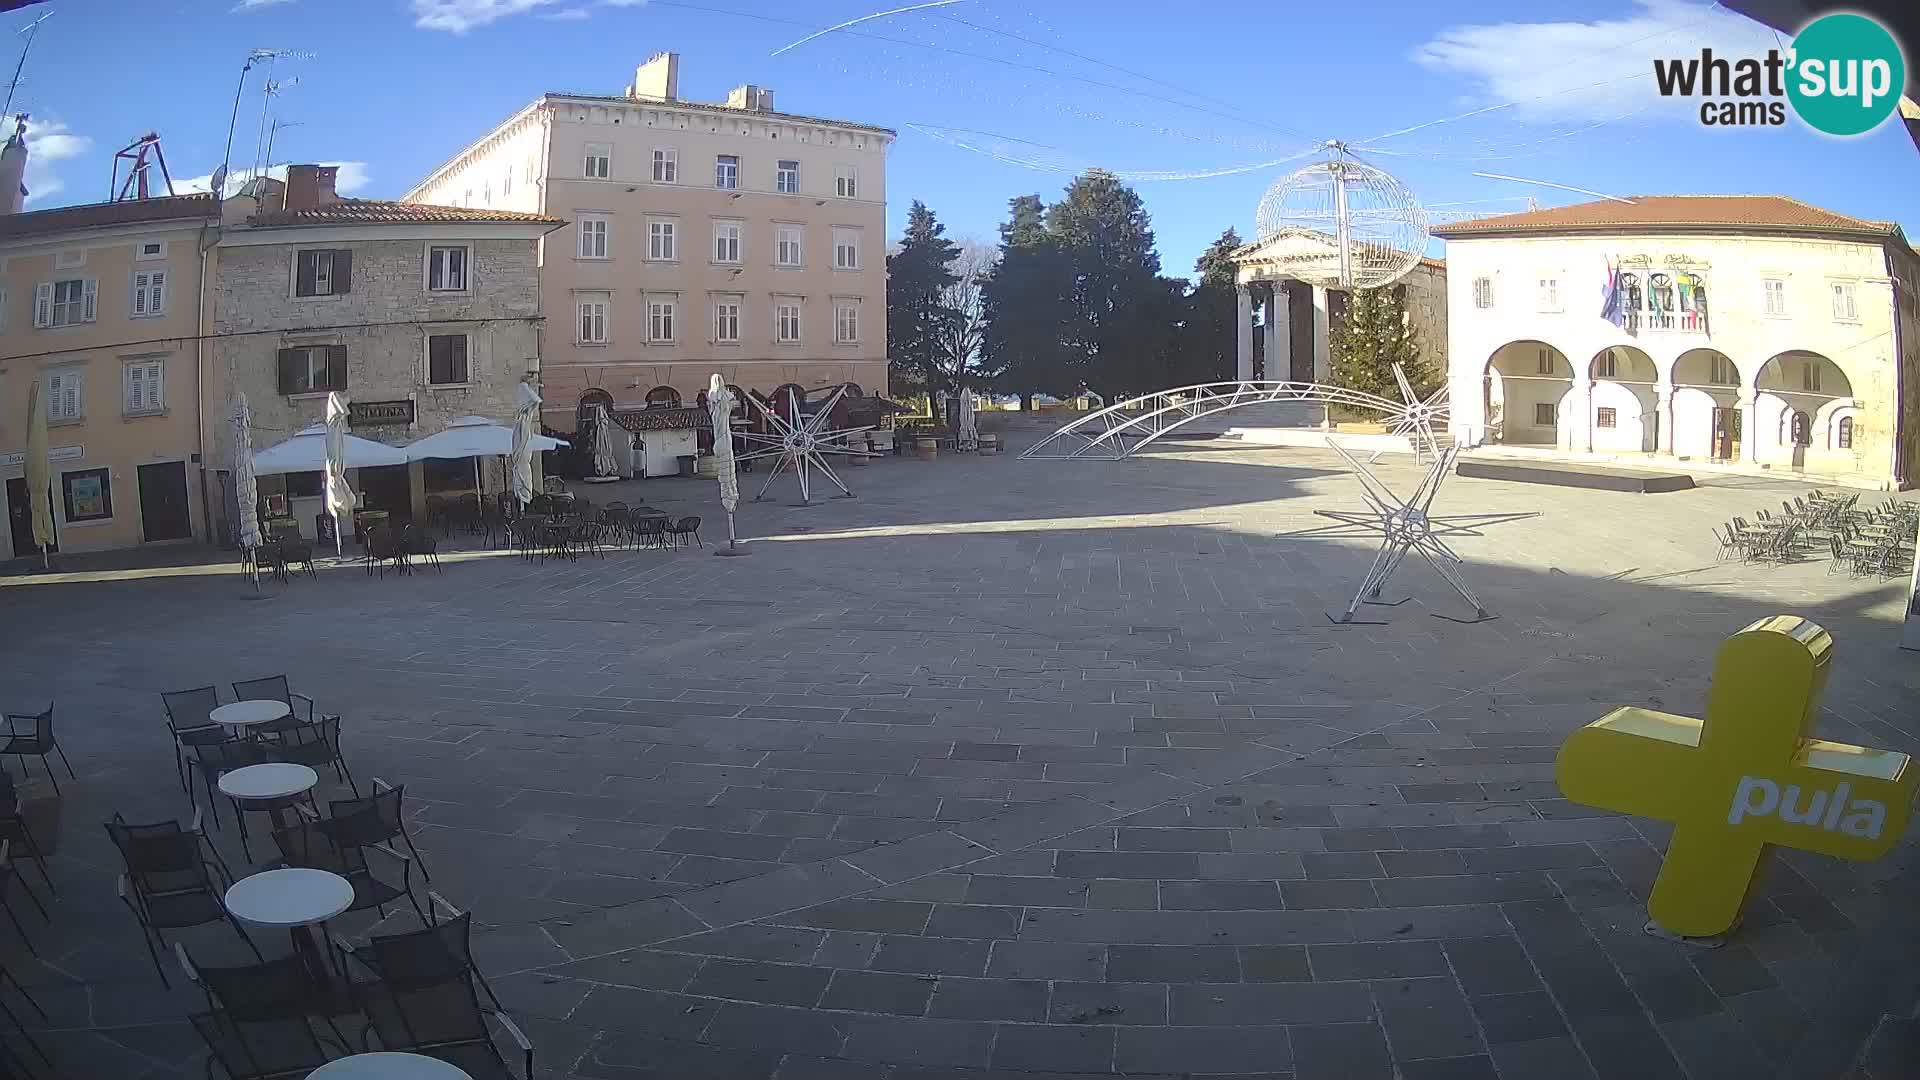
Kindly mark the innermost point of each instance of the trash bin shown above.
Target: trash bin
(323, 526)
(686, 464)
(926, 447)
(989, 443)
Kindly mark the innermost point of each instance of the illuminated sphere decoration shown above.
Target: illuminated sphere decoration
(1353, 226)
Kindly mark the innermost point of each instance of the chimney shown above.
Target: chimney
(13, 170)
(751, 98)
(658, 78)
(310, 186)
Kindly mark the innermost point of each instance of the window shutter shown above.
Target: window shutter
(136, 387)
(303, 266)
(139, 294)
(342, 275)
(43, 304)
(91, 291)
(156, 291)
(289, 379)
(336, 365)
(154, 373)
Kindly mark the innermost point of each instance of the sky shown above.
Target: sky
(1202, 107)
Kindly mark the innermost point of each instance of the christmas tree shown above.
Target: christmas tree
(1373, 335)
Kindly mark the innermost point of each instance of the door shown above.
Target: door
(1726, 434)
(163, 502)
(20, 519)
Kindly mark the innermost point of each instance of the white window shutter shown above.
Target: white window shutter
(156, 291)
(43, 304)
(134, 387)
(154, 373)
(91, 290)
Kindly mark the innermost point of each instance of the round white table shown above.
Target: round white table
(295, 899)
(388, 1066)
(275, 780)
(242, 715)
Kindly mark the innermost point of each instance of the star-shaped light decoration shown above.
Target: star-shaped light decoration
(1416, 419)
(1404, 525)
(802, 443)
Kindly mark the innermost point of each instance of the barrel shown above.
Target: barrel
(926, 447)
(989, 442)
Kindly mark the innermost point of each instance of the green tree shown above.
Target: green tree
(1373, 335)
(1023, 301)
(1106, 237)
(1210, 341)
(917, 319)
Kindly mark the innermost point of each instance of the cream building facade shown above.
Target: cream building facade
(704, 237)
(101, 306)
(1755, 332)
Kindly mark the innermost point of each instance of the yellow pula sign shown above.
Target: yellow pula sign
(1745, 777)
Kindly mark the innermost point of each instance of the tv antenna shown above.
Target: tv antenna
(31, 30)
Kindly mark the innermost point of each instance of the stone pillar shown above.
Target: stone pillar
(1580, 418)
(1663, 408)
(1322, 325)
(1279, 343)
(1749, 426)
(1243, 334)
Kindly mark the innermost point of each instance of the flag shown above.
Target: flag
(1610, 296)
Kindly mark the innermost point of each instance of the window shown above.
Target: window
(786, 245)
(726, 172)
(599, 163)
(446, 268)
(593, 237)
(152, 249)
(726, 321)
(726, 241)
(666, 165)
(1548, 297)
(786, 322)
(64, 303)
(660, 320)
(1483, 292)
(1843, 309)
(786, 178)
(447, 360)
(149, 293)
(1723, 373)
(846, 181)
(846, 322)
(1843, 434)
(1776, 294)
(1604, 366)
(486, 193)
(846, 249)
(1606, 416)
(660, 241)
(322, 272)
(1810, 376)
(1544, 414)
(88, 494)
(593, 318)
(313, 369)
(1545, 362)
(506, 182)
(66, 396)
(145, 387)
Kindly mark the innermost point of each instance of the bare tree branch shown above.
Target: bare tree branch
(960, 341)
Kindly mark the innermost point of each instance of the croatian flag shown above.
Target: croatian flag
(1610, 296)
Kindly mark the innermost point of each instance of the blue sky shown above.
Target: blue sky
(992, 98)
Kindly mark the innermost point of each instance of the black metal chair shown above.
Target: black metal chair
(440, 1019)
(679, 531)
(187, 719)
(14, 827)
(420, 543)
(439, 951)
(214, 760)
(315, 745)
(7, 874)
(325, 845)
(375, 819)
(20, 1068)
(650, 530)
(284, 1048)
(277, 989)
(38, 741)
(274, 688)
(169, 884)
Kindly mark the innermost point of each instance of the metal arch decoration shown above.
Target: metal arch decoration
(1123, 429)
(1404, 525)
(801, 442)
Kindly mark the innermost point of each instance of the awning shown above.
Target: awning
(307, 452)
(473, 436)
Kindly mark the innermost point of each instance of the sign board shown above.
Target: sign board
(18, 459)
(1746, 777)
(378, 413)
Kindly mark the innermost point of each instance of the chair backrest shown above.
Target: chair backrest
(270, 990)
(306, 744)
(430, 955)
(616, 504)
(224, 757)
(368, 820)
(256, 1049)
(271, 688)
(688, 524)
(1839, 547)
(320, 845)
(162, 859)
(190, 708)
(425, 1014)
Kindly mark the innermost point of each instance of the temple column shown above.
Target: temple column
(1322, 326)
(1243, 336)
(1279, 343)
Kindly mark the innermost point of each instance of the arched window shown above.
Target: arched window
(663, 397)
(1802, 428)
(1843, 434)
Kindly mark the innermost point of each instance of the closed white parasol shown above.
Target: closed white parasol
(720, 408)
(603, 459)
(340, 497)
(969, 434)
(526, 428)
(246, 492)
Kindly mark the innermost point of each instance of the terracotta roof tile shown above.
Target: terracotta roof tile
(380, 212)
(1766, 213)
(99, 215)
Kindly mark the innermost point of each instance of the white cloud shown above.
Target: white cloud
(1551, 67)
(48, 144)
(460, 16)
(623, 3)
(572, 14)
(255, 5)
(351, 178)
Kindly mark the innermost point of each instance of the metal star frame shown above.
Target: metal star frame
(1404, 525)
(1417, 418)
(802, 443)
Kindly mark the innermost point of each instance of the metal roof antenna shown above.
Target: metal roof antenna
(32, 30)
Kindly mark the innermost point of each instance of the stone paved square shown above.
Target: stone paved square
(1009, 768)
